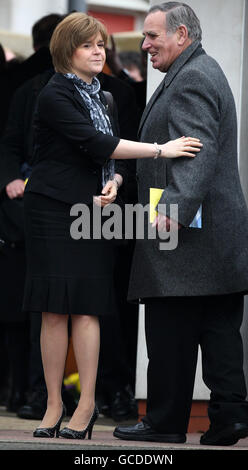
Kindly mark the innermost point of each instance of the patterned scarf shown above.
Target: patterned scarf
(90, 94)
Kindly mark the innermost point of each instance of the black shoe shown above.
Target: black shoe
(69, 433)
(4, 392)
(31, 412)
(143, 432)
(15, 401)
(103, 405)
(226, 435)
(50, 432)
(36, 406)
(124, 406)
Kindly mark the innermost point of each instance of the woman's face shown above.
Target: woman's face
(89, 58)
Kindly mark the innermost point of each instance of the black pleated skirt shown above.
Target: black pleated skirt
(64, 275)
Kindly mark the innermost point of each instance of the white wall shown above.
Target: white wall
(18, 16)
(121, 5)
(225, 37)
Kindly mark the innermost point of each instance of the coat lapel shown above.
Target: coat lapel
(181, 61)
(172, 72)
(150, 104)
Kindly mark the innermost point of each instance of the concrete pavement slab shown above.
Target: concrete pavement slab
(17, 435)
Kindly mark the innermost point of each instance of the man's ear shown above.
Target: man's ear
(182, 35)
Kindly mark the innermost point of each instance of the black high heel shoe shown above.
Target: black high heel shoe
(68, 433)
(50, 432)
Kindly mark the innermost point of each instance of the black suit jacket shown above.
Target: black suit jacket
(16, 144)
(38, 62)
(69, 151)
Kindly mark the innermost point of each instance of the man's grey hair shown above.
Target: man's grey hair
(177, 14)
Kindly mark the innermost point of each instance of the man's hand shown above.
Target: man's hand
(165, 224)
(15, 189)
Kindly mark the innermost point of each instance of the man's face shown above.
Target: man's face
(162, 46)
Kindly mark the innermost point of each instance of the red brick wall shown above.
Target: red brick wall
(113, 22)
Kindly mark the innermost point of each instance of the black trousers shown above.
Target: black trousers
(36, 375)
(117, 361)
(175, 327)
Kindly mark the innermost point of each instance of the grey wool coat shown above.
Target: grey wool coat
(194, 99)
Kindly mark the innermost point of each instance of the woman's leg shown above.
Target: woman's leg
(54, 345)
(86, 344)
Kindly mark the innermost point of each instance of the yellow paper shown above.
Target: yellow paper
(155, 195)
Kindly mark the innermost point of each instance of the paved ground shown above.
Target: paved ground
(17, 435)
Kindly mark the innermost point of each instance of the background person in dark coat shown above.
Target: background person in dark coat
(14, 324)
(5, 97)
(15, 166)
(5, 89)
(115, 63)
(117, 359)
(193, 294)
(15, 159)
(40, 60)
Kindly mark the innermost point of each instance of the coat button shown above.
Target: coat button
(82, 148)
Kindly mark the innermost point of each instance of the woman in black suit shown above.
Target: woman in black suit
(77, 156)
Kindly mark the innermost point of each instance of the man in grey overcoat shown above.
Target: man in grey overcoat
(193, 294)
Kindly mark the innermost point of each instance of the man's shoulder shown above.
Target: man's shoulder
(203, 64)
(201, 71)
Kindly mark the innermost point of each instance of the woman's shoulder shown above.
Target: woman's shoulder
(58, 83)
(56, 87)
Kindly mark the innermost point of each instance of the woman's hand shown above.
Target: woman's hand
(109, 193)
(182, 147)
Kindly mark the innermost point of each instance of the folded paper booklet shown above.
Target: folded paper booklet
(155, 195)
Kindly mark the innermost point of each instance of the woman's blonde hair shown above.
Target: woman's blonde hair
(70, 33)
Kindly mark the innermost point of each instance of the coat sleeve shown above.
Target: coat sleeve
(58, 111)
(194, 112)
(12, 142)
